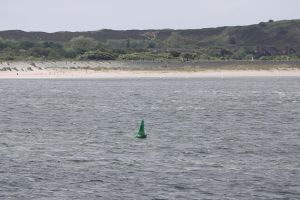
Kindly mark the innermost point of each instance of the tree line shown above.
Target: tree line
(86, 48)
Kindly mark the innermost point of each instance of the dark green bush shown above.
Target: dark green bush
(97, 55)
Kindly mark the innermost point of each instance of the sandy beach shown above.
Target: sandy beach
(60, 74)
(68, 69)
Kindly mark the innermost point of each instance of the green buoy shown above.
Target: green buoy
(141, 134)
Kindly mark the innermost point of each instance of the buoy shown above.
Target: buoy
(141, 134)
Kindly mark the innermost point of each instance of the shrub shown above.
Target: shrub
(97, 55)
(175, 54)
(188, 56)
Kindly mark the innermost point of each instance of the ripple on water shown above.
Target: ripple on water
(207, 139)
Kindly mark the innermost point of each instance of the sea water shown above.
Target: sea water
(208, 138)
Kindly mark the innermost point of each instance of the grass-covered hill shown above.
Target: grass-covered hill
(266, 40)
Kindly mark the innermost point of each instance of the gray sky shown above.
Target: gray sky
(83, 15)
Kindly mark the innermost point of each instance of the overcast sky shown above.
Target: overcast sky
(83, 15)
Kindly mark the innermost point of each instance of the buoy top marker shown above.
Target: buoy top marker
(141, 134)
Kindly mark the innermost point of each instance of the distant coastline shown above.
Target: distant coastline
(146, 69)
(270, 40)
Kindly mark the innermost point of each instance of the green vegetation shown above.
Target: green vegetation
(265, 41)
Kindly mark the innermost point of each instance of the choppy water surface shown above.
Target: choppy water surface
(232, 138)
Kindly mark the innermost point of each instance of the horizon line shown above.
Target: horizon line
(147, 29)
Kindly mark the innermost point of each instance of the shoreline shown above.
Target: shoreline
(120, 74)
(145, 69)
